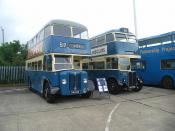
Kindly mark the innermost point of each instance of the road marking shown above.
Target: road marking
(110, 116)
(11, 90)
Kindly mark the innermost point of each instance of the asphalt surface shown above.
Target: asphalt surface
(151, 109)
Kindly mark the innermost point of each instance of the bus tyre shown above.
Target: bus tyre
(138, 87)
(47, 94)
(113, 86)
(167, 82)
(87, 95)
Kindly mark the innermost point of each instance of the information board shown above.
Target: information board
(102, 85)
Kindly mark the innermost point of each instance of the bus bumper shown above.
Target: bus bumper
(54, 91)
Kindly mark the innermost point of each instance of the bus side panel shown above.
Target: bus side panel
(69, 45)
(37, 79)
(118, 75)
(121, 48)
(153, 74)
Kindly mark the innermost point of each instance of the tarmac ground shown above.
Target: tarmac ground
(151, 109)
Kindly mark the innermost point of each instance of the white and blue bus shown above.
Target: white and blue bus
(112, 53)
(157, 64)
(54, 64)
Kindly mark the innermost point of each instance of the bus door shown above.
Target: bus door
(77, 62)
(139, 66)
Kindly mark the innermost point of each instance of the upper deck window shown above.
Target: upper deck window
(120, 37)
(79, 33)
(101, 40)
(156, 41)
(109, 37)
(62, 30)
(68, 31)
(93, 42)
(166, 40)
(174, 38)
(132, 39)
(47, 31)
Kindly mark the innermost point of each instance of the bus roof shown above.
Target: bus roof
(120, 30)
(66, 23)
(141, 41)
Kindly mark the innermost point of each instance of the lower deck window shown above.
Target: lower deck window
(138, 64)
(85, 65)
(168, 64)
(124, 64)
(97, 65)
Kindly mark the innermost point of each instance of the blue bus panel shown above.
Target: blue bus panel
(157, 64)
(111, 57)
(54, 60)
(60, 44)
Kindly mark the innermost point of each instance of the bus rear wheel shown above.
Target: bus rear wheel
(167, 82)
(113, 86)
(47, 93)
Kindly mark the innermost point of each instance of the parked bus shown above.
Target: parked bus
(54, 64)
(157, 64)
(111, 53)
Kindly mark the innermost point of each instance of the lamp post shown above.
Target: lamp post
(135, 18)
(2, 34)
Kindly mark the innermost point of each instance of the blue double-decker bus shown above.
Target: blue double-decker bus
(54, 64)
(157, 64)
(112, 53)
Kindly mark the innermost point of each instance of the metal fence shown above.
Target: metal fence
(12, 74)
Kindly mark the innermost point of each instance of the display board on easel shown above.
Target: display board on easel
(102, 86)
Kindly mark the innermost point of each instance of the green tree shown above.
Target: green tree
(13, 54)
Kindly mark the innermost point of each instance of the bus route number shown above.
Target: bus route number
(63, 45)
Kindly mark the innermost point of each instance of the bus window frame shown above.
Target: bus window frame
(166, 67)
(71, 63)
(119, 65)
(113, 37)
(120, 37)
(45, 63)
(140, 61)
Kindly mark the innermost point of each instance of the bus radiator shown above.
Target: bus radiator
(132, 78)
(74, 82)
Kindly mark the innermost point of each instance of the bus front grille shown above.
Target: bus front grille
(74, 82)
(132, 79)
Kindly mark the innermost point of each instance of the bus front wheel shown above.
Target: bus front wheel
(113, 86)
(47, 93)
(167, 82)
(138, 87)
(88, 94)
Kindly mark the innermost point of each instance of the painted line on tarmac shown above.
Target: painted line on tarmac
(11, 90)
(110, 116)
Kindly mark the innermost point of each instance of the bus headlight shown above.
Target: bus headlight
(85, 80)
(64, 81)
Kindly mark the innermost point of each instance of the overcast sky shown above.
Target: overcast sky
(22, 19)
